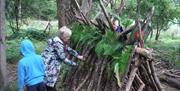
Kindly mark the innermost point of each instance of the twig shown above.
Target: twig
(106, 15)
(155, 76)
(131, 78)
(101, 73)
(129, 64)
(172, 75)
(141, 82)
(87, 21)
(121, 7)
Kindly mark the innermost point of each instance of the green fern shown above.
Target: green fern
(108, 45)
(122, 59)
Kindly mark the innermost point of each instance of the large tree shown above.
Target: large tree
(64, 12)
(67, 9)
(3, 80)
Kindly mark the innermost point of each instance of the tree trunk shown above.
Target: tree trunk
(65, 12)
(17, 13)
(138, 22)
(3, 80)
(158, 32)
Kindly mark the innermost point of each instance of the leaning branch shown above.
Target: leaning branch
(106, 15)
(81, 13)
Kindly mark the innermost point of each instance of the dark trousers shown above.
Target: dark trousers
(51, 88)
(37, 87)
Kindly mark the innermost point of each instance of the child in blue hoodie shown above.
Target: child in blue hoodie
(30, 69)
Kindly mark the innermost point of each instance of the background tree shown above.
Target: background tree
(66, 10)
(18, 11)
(3, 80)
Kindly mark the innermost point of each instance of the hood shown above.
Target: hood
(58, 39)
(26, 48)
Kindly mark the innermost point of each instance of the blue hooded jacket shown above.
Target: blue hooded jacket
(30, 67)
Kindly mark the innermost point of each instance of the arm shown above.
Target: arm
(72, 52)
(20, 77)
(60, 51)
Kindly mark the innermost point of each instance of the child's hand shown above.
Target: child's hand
(81, 57)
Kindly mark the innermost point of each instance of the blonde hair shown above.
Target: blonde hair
(65, 31)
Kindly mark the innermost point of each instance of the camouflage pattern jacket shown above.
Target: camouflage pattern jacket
(53, 56)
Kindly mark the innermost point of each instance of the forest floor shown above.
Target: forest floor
(160, 65)
(164, 66)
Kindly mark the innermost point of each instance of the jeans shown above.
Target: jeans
(37, 87)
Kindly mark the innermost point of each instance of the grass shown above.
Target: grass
(168, 46)
(13, 42)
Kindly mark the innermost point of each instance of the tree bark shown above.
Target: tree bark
(17, 13)
(65, 12)
(158, 32)
(106, 15)
(86, 6)
(3, 80)
(120, 8)
(139, 24)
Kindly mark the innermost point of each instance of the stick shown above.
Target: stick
(172, 75)
(144, 52)
(83, 82)
(106, 15)
(121, 7)
(155, 76)
(139, 25)
(101, 73)
(141, 82)
(131, 78)
(87, 21)
(127, 31)
(171, 81)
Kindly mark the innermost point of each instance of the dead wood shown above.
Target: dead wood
(106, 15)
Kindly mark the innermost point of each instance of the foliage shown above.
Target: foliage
(109, 44)
(105, 45)
(45, 9)
(36, 34)
(168, 46)
(84, 34)
(121, 59)
(12, 51)
(12, 86)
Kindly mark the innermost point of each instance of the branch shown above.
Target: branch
(126, 31)
(149, 16)
(141, 82)
(121, 7)
(139, 24)
(106, 15)
(83, 16)
(80, 19)
(143, 52)
(156, 79)
(131, 78)
(106, 4)
(83, 82)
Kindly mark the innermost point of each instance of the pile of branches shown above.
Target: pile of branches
(140, 74)
(96, 73)
(103, 23)
(171, 77)
(93, 75)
